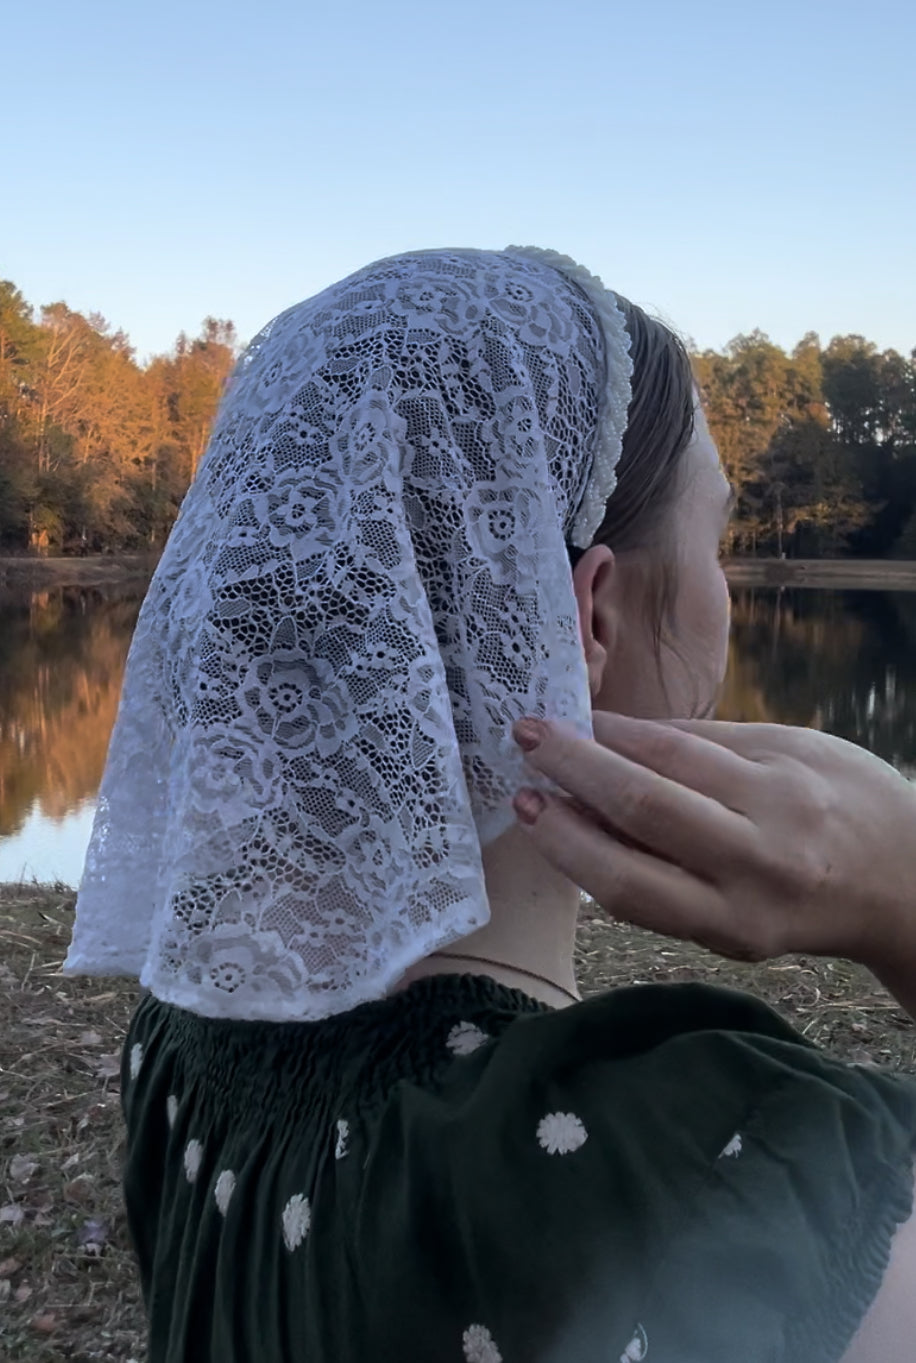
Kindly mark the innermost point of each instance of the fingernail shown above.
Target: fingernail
(528, 733)
(528, 805)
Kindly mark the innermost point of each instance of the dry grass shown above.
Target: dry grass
(837, 1005)
(67, 1281)
(67, 1284)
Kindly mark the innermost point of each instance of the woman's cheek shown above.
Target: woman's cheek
(707, 621)
(723, 623)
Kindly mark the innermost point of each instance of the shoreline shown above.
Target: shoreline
(97, 570)
(114, 570)
(840, 573)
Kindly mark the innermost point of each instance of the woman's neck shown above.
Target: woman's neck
(529, 940)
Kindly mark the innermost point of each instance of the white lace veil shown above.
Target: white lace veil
(367, 584)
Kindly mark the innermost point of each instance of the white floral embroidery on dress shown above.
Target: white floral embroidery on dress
(479, 1345)
(171, 1108)
(136, 1060)
(637, 1349)
(734, 1147)
(193, 1155)
(297, 1217)
(560, 1133)
(465, 1037)
(225, 1187)
(343, 1136)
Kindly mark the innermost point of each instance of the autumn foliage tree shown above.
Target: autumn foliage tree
(820, 444)
(96, 452)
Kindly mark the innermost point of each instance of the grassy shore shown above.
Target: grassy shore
(67, 1282)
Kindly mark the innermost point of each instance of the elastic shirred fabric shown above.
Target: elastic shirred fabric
(457, 1174)
(361, 1053)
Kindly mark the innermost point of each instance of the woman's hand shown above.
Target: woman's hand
(751, 839)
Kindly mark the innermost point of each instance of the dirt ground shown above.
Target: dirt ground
(67, 1284)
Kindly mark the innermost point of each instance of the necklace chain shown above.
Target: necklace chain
(513, 969)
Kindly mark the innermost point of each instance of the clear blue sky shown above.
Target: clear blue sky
(731, 166)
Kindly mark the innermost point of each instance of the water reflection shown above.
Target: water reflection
(843, 661)
(62, 656)
(840, 661)
(48, 849)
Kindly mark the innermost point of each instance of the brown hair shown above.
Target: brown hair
(659, 427)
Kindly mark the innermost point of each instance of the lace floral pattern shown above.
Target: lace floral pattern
(366, 585)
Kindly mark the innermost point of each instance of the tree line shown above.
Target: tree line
(97, 451)
(820, 445)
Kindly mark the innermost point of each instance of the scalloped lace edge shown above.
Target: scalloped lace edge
(602, 477)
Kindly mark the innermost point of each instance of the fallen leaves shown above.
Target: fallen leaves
(80, 1189)
(21, 1168)
(92, 1235)
(95, 1114)
(108, 1067)
(46, 1323)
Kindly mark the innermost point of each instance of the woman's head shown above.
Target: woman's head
(652, 599)
(367, 585)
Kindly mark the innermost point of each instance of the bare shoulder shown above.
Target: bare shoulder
(888, 1332)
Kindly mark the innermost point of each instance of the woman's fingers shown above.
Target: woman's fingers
(629, 884)
(679, 823)
(756, 743)
(751, 839)
(681, 754)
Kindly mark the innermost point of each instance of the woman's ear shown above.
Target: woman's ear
(593, 578)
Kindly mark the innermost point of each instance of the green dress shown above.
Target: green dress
(458, 1174)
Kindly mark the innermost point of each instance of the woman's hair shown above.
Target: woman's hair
(659, 427)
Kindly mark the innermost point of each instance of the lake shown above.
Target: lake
(844, 661)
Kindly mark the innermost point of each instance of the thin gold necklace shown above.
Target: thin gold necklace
(513, 969)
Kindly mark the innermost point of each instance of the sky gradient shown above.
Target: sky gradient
(728, 166)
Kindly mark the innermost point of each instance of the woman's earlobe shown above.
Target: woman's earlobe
(598, 643)
(592, 578)
(595, 662)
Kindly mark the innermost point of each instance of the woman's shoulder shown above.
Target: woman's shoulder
(676, 1039)
(630, 1155)
(726, 1039)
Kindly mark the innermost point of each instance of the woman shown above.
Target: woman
(367, 1115)
(819, 861)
